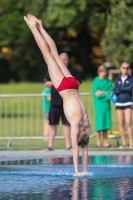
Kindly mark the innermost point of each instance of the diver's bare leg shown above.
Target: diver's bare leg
(55, 73)
(52, 46)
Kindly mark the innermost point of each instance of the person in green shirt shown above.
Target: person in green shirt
(46, 107)
(102, 91)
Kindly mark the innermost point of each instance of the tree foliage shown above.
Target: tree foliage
(118, 39)
(76, 27)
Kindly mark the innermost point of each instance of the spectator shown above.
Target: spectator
(102, 89)
(46, 108)
(123, 88)
(56, 108)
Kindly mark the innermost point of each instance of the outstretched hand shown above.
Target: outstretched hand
(80, 174)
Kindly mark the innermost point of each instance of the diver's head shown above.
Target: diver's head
(83, 138)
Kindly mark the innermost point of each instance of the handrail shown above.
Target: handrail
(36, 95)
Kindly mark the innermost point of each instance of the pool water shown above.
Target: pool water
(108, 177)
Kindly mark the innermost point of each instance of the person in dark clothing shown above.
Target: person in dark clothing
(56, 108)
(123, 89)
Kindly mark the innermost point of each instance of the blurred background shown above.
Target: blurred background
(90, 31)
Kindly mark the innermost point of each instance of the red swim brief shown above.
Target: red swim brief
(68, 83)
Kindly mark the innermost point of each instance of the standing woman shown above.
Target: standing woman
(123, 88)
(102, 90)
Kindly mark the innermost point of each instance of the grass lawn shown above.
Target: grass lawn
(30, 119)
(35, 88)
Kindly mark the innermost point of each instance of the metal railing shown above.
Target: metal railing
(21, 116)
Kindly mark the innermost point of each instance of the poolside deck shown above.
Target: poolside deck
(36, 154)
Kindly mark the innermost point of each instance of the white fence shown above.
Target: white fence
(21, 116)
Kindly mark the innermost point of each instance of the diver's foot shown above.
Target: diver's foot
(31, 24)
(38, 21)
(32, 17)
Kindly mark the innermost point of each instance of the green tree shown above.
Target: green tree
(118, 39)
(72, 24)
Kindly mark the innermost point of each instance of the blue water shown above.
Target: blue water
(108, 177)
